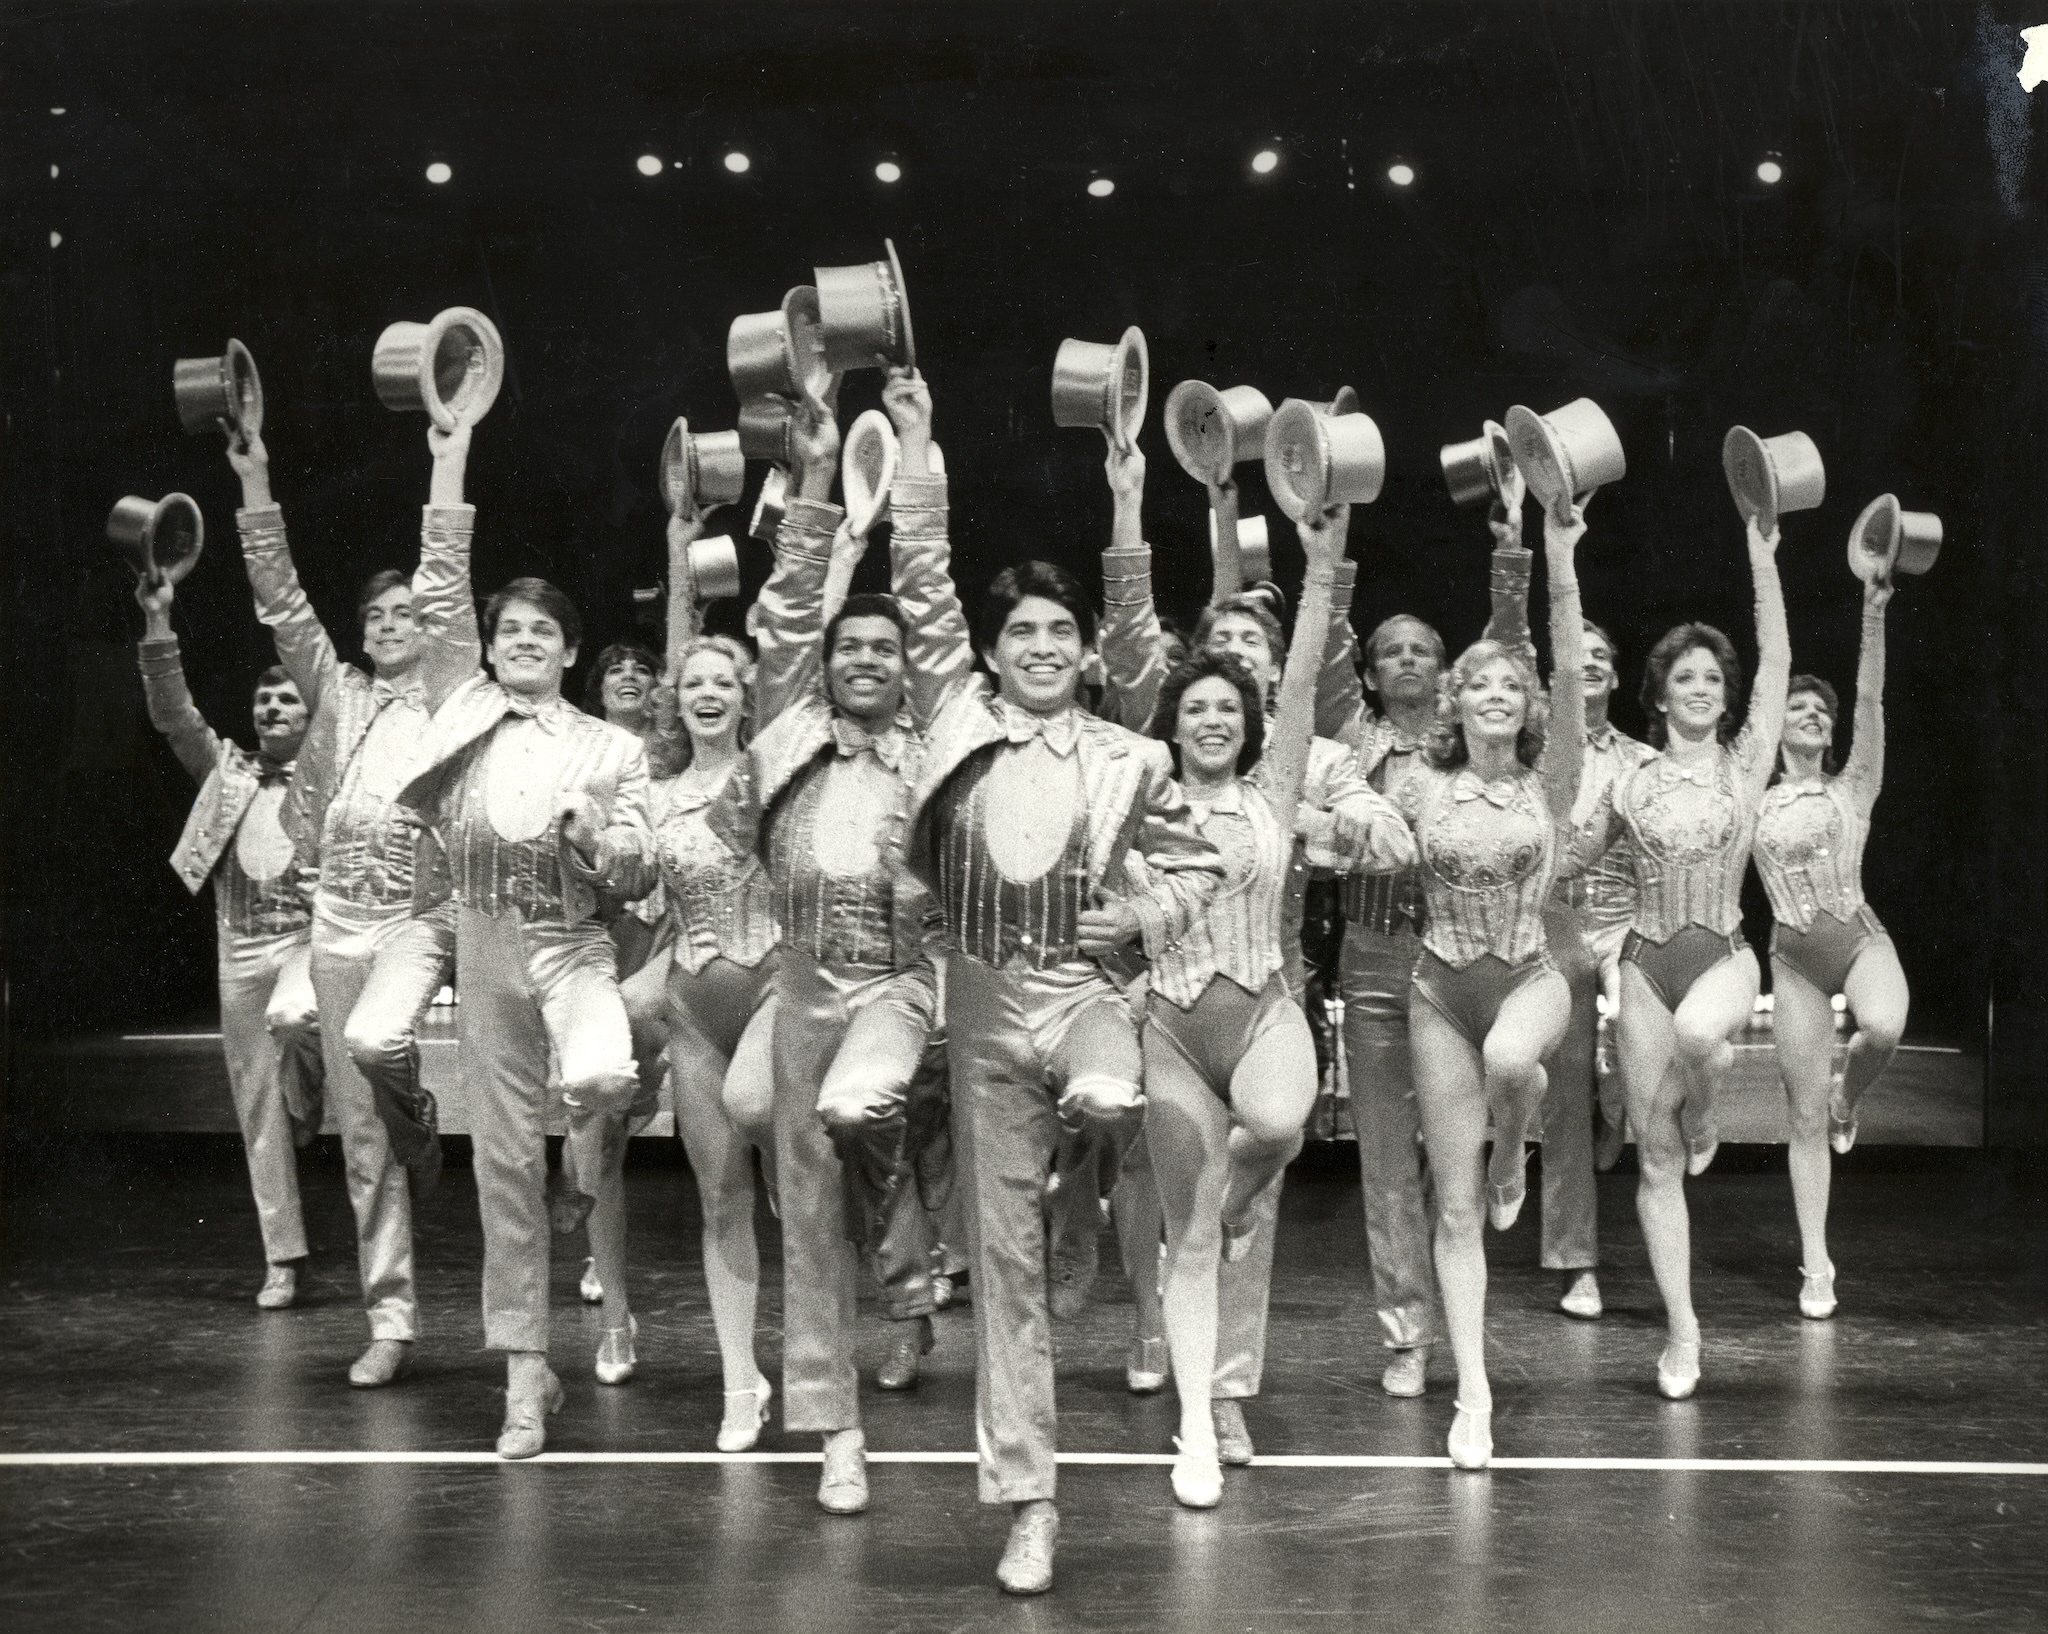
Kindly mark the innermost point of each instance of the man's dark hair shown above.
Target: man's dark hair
(374, 586)
(1198, 666)
(1674, 645)
(617, 652)
(1034, 578)
(278, 676)
(538, 593)
(1613, 646)
(867, 604)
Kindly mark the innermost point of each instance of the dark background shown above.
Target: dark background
(1586, 220)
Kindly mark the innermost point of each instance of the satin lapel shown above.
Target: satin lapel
(471, 710)
(1110, 773)
(790, 743)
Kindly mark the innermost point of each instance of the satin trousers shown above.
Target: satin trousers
(270, 1034)
(411, 958)
(1571, 1233)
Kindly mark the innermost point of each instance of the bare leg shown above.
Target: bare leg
(1803, 1023)
(725, 1182)
(1531, 1021)
(1876, 988)
(1646, 1043)
(1140, 1224)
(1451, 1096)
(1272, 1091)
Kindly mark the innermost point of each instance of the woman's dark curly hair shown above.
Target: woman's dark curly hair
(1663, 659)
(1830, 760)
(616, 653)
(1199, 666)
(1447, 747)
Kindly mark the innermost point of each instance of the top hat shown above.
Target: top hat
(867, 470)
(451, 367)
(701, 469)
(714, 568)
(1103, 386)
(212, 389)
(865, 315)
(1475, 471)
(765, 430)
(1887, 540)
(1210, 431)
(1772, 475)
(1568, 452)
(1315, 458)
(779, 352)
(1254, 547)
(769, 505)
(161, 538)
(1345, 402)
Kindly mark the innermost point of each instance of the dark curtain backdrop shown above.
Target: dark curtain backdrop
(1586, 219)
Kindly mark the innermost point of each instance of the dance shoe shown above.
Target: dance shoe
(591, 1288)
(1582, 1298)
(1817, 1293)
(1026, 1566)
(1237, 1239)
(1147, 1367)
(1071, 1277)
(526, 1417)
(1841, 1120)
(1678, 1370)
(843, 1483)
(615, 1358)
(914, 1340)
(1504, 1203)
(1233, 1440)
(1702, 1137)
(385, 1362)
(1471, 1440)
(280, 1287)
(745, 1412)
(1407, 1373)
(1197, 1477)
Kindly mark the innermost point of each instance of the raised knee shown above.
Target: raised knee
(372, 1046)
(1103, 1099)
(1698, 1046)
(1880, 1033)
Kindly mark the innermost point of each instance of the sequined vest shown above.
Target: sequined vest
(992, 918)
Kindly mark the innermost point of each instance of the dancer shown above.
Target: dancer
(269, 1027)
(539, 808)
(1809, 852)
(1230, 1064)
(1688, 979)
(1492, 818)
(378, 955)
(1023, 816)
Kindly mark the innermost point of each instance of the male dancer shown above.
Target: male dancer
(821, 796)
(539, 808)
(376, 962)
(269, 1030)
(1022, 816)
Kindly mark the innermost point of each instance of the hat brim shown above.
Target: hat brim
(902, 305)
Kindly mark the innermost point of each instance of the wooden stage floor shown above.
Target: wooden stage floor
(1887, 1470)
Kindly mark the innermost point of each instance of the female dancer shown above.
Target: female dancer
(1688, 980)
(1230, 1066)
(1491, 809)
(1809, 851)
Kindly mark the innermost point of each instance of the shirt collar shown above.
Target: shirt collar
(1228, 802)
(551, 714)
(1060, 732)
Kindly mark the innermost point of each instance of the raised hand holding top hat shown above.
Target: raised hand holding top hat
(908, 401)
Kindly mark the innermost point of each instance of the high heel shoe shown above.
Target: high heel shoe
(280, 1287)
(1841, 1120)
(613, 1367)
(1817, 1293)
(1197, 1476)
(1147, 1367)
(591, 1287)
(1471, 1438)
(1702, 1138)
(526, 1419)
(745, 1412)
(1504, 1203)
(1678, 1369)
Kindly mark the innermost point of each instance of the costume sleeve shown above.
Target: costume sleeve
(1341, 713)
(623, 868)
(1583, 843)
(1133, 651)
(1508, 622)
(1756, 746)
(1864, 772)
(443, 602)
(1564, 747)
(303, 646)
(940, 658)
(790, 625)
(171, 710)
(1182, 870)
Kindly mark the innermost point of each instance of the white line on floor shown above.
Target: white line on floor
(1709, 1466)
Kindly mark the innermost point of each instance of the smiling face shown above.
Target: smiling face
(1037, 658)
(1210, 728)
(711, 699)
(1598, 669)
(280, 715)
(864, 669)
(529, 652)
(1405, 663)
(1695, 693)
(1241, 636)
(626, 690)
(390, 636)
(1809, 726)
(1493, 704)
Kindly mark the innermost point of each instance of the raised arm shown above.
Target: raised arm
(790, 622)
(1758, 743)
(303, 644)
(1341, 712)
(1293, 724)
(443, 599)
(171, 710)
(1864, 772)
(1228, 569)
(1508, 622)
(1564, 749)
(1182, 869)
(939, 656)
(1133, 652)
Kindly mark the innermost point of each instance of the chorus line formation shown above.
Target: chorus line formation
(960, 926)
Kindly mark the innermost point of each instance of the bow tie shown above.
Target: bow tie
(549, 714)
(1500, 793)
(1060, 732)
(412, 692)
(1700, 776)
(270, 773)
(851, 740)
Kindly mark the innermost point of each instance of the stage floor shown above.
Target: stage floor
(1887, 1470)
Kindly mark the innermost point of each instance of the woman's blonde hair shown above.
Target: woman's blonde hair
(1447, 747)
(672, 749)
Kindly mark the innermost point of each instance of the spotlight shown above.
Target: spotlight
(56, 239)
(437, 173)
(53, 173)
(738, 163)
(1770, 172)
(1401, 175)
(57, 113)
(1101, 188)
(888, 171)
(1264, 162)
(648, 165)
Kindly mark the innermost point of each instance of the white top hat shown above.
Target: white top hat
(701, 469)
(867, 470)
(1315, 458)
(1475, 471)
(212, 389)
(1103, 386)
(769, 505)
(452, 367)
(161, 538)
(1254, 547)
(1566, 453)
(1888, 540)
(1772, 475)
(780, 352)
(864, 312)
(714, 568)
(1210, 431)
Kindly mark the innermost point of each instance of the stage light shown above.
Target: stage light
(1101, 188)
(1770, 172)
(53, 173)
(738, 163)
(648, 165)
(1401, 175)
(437, 173)
(1264, 162)
(57, 113)
(888, 171)
(56, 239)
